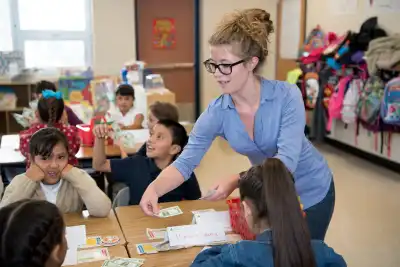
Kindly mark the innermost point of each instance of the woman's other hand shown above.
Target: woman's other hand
(222, 188)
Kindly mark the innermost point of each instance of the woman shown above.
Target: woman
(258, 117)
(283, 239)
(32, 234)
(50, 177)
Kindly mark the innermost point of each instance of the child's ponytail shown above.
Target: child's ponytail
(290, 234)
(50, 107)
(271, 188)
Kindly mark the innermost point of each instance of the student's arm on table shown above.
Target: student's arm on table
(97, 203)
(191, 188)
(137, 124)
(21, 187)
(100, 162)
(216, 256)
(291, 132)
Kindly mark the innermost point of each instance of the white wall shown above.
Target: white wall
(113, 35)
(318, 13)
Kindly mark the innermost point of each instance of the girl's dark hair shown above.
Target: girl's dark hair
(50, 110)
(178, 132)
(125, 90)
(43, 141)
(44, 85)
(164, 111)
(29, 231)
(270, 188)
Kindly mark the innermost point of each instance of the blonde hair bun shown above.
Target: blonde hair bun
(248, 29)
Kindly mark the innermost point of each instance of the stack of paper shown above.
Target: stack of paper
(213, 219)
(76, 237)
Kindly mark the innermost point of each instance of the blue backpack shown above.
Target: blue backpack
(390, 107)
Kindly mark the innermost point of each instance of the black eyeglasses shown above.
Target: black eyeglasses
(224, 68)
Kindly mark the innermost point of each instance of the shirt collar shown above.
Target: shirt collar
(265, 236)
(267, 93)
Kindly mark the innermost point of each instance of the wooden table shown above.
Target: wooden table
(134, 223)
(107, 226)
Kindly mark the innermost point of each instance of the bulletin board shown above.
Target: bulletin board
(284, 65)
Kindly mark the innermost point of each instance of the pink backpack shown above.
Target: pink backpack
(336, 101)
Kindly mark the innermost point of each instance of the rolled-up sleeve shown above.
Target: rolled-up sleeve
(208, 126)
(291, 132)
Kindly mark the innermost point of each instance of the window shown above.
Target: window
(52, 33)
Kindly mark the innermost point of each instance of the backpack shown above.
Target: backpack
(336, 101)
(350, 101)
(369, 104)
(390, 106)
(315, 39)
(311, 81)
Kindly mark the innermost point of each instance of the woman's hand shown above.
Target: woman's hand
(222, 188)
(35, 173)
(149, 201)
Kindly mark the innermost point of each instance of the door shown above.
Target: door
(175, 56)
(283, 65)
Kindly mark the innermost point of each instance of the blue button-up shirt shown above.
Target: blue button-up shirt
(278, 132)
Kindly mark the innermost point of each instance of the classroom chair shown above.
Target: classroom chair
(122, 198)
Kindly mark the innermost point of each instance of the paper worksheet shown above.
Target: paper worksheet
(219, 218)
(76, 236)
(195, 235)
(71, 258)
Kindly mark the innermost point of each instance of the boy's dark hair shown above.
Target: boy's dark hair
(164, 111)
(43, 141)
(44, 85)
(125, 90)
(270, 188)
(178, 132)
(50, 110)
(29, 231)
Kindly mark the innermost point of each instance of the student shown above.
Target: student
(32, 234)
(126, 115)
(159, 111)
(49, 113)
(72, 118)
(51, 178)
(272, 211)
(167, 139)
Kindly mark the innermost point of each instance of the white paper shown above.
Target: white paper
(290, 29)
(71, 258)
(343, 7)
(76, 236)
(218, 218)
(383, 6)
(195, 235)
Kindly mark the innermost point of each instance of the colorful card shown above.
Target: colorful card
(156, 233)
(92, 242)
(91, 255)
(146, 248)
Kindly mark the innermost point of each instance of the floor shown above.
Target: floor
(365, 227)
